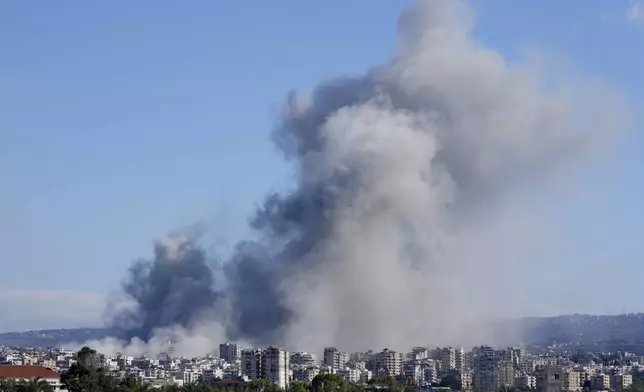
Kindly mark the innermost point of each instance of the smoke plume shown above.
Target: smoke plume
(399, 226)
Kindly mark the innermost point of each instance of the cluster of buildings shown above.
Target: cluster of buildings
(482, 368)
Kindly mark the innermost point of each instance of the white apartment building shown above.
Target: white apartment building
(305, 373)
(572, 381)
(335, 359)
(276, 366)
(466, 380)
(621, 381)
(187, 376)
(447, 357)
(505, 374)
(430, 371)
(302, 359)
(418, 353)
(387, 363)
(351, 375)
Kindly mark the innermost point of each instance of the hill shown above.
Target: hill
(609, 332)
(51, 337)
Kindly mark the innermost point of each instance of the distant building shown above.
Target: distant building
(601, 382)
(334, 359)
(305, 373)
(302, 359)
(504, 376)
(230, 352)
(485, 375)
(276, 366)
(621, 381)
(553, 379)
(251, 362)
(447, 357)
(572, 381)
(387, 363)
(526, 382)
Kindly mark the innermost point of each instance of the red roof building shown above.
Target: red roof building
(16, 372)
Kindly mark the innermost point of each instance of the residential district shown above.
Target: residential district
(482, 368)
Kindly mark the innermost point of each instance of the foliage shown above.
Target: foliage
(88, 374)
(451, 381)
(31, 385)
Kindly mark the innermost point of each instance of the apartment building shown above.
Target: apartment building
(276, 366)
(485, 369)
(334, 359)
(621, 381)
(447, 358)
(572, 381)
(230, 352)
(504, 374)
(601, 382)
(387, 363)
(526, 382)
(251, 361)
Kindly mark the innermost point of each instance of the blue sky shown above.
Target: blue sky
(121, 121)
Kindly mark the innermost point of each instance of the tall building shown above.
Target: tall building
(447, 356)
(461, 361)
(305, 373)
(553, 379)
(334, 359)
(251, 361)
(572, 381)
(621, 381)
(387, 363)
(485, 369)
(504, 374)
(275, 366)
(230, 352)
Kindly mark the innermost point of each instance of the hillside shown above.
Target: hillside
(584, 331)
(50, 337)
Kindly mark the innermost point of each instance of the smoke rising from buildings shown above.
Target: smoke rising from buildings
(398, 227)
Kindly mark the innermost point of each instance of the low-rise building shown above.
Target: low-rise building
(24, 373)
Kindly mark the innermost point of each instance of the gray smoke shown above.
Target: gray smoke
(400, 229)
(169, 290)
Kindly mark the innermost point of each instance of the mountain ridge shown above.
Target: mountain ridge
(582, 330)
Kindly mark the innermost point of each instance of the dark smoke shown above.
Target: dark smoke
(172, 289)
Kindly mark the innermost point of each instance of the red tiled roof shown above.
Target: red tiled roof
(15, 371)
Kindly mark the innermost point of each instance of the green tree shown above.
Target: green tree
(451, 381)
(297, 386)
(7, 385)
(195, 387)
(88, 374)
(257, 385)
(34, 385)
(328, 383)
(134, 384)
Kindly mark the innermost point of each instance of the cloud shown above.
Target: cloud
(48, 309)
(635, 13)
